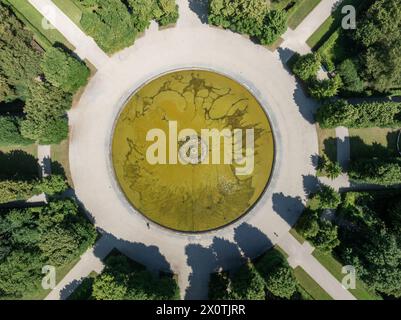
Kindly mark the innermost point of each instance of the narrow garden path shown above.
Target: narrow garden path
(90, 261)
(295, 40)
(301, 255)
(86, 47)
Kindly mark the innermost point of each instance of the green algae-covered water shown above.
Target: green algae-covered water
(184, 180)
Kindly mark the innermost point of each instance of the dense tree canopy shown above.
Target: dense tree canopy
(19, 62)
(252, 17)
(10, 133)
(123, 279)
(115, 24)
(376, 171)
(44, 112)
(363, 115)
(54, 234)
(378, 34)
(64, 71)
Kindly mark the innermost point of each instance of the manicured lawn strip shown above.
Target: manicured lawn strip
(310, 285)
(31, 149)
(60, 155)
(330, 25)
(334, 267)
(33, 20)
(297, 236)
(373, 142)
(301, 12)
(327, 142)
(71, 10)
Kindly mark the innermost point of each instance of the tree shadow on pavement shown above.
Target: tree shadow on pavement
(148, 256)
(289, 208)
(201, 8)
(311, 184)
(251, 240)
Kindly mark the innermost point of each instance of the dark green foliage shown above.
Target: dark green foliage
(307, 66)
(109, 23)
(20, 274)
(166, 12)
(64, 71)
(308, 224)
(10, 133)
(251, 17)
(122, 279)
(281, 282)
(317, 227)
(378, 34)
(247, 284)
(274, 25)
(376, 171)
(327, 198)
(219, 286)
(19, 62)
(115, 24)
(364, 115)
(13, 190)
(327, 88)
(326, 238)
(350, 77)
(33, 237)
(378, 261)
(45, 111)
(329, 168)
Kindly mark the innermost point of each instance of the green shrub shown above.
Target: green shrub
(327, 198)
(349, 75)
(45, 114)
(307, 66)
(363, 115)
(251, 17)
(16, 190)
(376, 171)
(54, 184)
(109, 23)
(166, 12)
(64, 71)
(281, 282)
(327, 88)
(10, 132)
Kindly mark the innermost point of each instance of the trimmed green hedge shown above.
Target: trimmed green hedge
(363, 115)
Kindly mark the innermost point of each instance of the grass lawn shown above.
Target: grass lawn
(297, 236)
(334, 267)
(373, 142)
(330, 25)
(327, 142)
(301, 12)
(70, 9)
(23, 164)
(60, 156)
(33, 20)
(31, 149)
(310, 286)
(61, 272)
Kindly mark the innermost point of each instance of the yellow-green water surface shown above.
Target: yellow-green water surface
(195, 196)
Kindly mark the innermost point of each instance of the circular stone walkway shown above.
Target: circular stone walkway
(192, 44)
